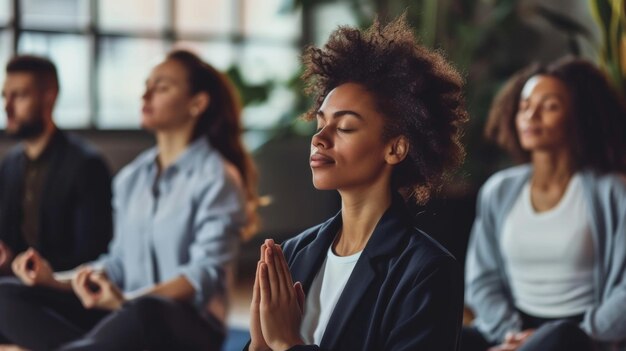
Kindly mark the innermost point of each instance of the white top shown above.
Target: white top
(550, 255)
(324, 293)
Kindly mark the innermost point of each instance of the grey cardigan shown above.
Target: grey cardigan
(487, 286)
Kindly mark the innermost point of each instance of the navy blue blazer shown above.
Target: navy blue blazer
(75, 217)
(405, 292)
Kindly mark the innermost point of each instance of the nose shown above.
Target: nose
(532, 113)
(8, 105)
(147, 94)
(321, 139)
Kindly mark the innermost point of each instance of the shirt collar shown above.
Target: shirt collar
(47, 152)
(196, 150)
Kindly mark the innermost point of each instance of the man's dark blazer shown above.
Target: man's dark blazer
(405, 292)
(75, 220)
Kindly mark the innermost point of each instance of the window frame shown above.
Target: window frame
(168, 35)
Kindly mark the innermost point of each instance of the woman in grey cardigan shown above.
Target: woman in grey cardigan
(547, 255)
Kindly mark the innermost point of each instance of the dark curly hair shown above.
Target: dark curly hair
(417, 90)
(599, 115)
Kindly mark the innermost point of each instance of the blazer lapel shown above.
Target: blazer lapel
(55, 150)
(358, 283)
(308, 261)
(385, 239)
(14, 188)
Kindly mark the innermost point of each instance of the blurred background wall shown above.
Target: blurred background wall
(104, 50)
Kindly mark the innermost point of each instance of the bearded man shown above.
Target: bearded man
(55, 189)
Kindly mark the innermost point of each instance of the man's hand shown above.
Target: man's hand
(95, 290)
(33, 270)
(6, 257)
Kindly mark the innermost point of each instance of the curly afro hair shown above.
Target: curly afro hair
(417, 90)
(599, 115)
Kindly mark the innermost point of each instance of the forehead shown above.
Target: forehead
(20, 80)
(541, 85)
(169, 69)
(349, 96)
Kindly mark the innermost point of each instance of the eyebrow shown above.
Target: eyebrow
(160, 79)
(340, 113)
(547, 96)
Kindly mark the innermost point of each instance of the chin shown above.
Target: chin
(10, 130)
(321, 184)
(530, 145)
(146, 124)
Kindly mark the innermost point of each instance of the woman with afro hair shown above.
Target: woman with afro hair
(547, 256)
(389, 114)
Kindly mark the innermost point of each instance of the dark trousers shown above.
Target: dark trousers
(44, 319)
(39, 318)
(550, 335)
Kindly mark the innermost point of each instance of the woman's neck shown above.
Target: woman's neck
(170, 146)
(551, 175)
(552, 168)
(360, 212)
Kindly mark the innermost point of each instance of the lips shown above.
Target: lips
(146, 110)
(320, 160)
(531, 131)
(10, 119)
(529, 128)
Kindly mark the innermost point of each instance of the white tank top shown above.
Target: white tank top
(550, 255)
(322, 297)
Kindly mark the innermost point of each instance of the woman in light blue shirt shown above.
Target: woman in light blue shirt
(180, 211)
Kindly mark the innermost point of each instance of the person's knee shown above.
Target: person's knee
(12, 293)
(558, 336)
(473, 340)
(148, 305)
(148, 310)
(11, 288)
(566, 331)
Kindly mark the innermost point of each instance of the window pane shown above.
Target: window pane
(5, 12)
(260, 63)
(131, 15)
(220, 55)
(327, 17)
(70, 53)
(205, 16)
(271, 19)
(54, 13)
(5, 54)
(123, 69)
(270, 113)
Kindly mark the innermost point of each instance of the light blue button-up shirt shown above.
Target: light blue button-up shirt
(184, 222)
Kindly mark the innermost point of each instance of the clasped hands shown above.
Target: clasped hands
(513, 341)
(277, 303)
(92, 287)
